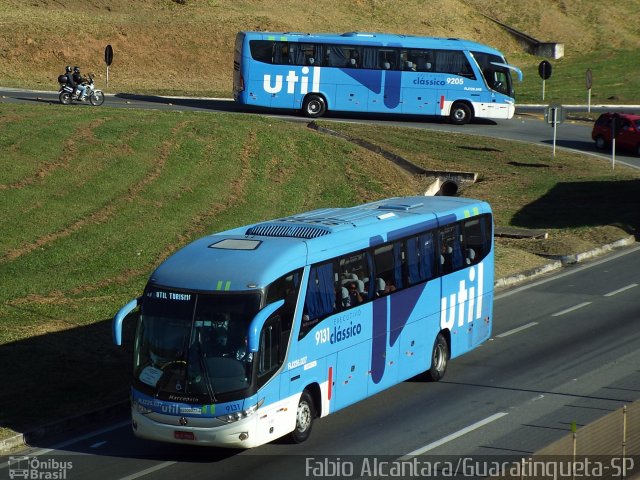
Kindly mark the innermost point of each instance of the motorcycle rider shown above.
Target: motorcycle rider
(79, 80)
(69, 76)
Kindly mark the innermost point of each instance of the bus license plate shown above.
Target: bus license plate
(184, 435)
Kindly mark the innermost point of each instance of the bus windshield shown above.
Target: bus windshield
(497, 77)
(194, 344)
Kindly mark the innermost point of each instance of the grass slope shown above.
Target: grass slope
(163, 46)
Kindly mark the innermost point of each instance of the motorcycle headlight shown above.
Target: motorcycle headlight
(235, 416)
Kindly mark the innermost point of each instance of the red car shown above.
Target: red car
(626, 127)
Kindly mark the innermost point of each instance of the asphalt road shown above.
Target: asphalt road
(564, 349)
(527, 126)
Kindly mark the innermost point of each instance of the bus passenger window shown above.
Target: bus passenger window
(451, 258)
(477, 239)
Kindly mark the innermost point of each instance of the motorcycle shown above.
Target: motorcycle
(67, 96)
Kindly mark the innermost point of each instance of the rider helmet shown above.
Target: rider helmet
(76, 69)
(67, 69)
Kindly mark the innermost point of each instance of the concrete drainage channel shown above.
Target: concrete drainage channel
(444, 182)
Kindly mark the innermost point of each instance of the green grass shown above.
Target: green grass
(97, 198)
(615, 74)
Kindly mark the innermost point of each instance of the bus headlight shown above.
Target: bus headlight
(235, 416)
(138, 407)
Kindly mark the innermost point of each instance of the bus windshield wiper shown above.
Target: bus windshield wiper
(202, 357)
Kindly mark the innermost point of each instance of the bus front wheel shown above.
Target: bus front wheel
(460, 113)
(304, 418)
(439, 359)
(314, 106)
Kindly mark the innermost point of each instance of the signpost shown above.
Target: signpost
(589, 82)
(554, 115)
(108, 59)
(544, 69)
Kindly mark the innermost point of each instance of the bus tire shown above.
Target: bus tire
(305, 414)
(314, 106)
(439, 359)
(460, 113)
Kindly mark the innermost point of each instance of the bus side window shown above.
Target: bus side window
(387, 59)
(389, 267)
(420, 258)
(320, 298)
(270, 356)
(286, 288)
(354, 276)
(451, 258)
(477, 234)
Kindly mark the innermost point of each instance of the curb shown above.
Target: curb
(121, 408)
(579, 257)
(527, 274)
(559, 261)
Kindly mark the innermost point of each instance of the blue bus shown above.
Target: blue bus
(249, 335)
(372, 72)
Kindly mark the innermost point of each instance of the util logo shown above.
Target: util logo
(468, 303)
(292, 79)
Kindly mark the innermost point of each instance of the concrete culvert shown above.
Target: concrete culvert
(448, 188)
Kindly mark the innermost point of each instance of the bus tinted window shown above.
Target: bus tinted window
(477, 239)
(421, 258)
(452, 61)
(385, 259)
(261, 50)
(304, 54)
(351, 56)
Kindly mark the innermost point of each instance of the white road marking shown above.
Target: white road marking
(455, 435)
(74, 440)
(516, 330)
(570, 271)
(149, 470)
(99, 444)
(571, 309)
(620, 290)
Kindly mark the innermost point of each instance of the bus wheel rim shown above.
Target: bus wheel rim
(439, 358)
(304, 417)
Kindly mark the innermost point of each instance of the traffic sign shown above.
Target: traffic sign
(108, 55)
(554, 115)
(589, 78)
(544, 69)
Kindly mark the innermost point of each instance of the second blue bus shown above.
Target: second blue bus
(373, 72)
(251, 334)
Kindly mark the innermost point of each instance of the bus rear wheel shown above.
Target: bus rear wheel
(314, 106)
(304, 418)
(439, 359)
(460, 113)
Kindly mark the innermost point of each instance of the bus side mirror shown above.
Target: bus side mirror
(119, 318)
(258, 322)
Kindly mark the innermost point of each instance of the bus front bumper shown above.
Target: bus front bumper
(240, 434)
